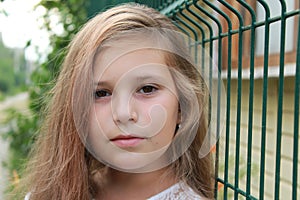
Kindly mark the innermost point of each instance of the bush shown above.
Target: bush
(23, 128)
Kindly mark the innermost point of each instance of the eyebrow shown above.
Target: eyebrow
(145, 78)
(139, 79)
(101, 83)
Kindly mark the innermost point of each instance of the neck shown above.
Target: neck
(135, 185)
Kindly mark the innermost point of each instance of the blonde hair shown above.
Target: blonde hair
(61, 167)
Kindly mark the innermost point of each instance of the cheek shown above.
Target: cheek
(171, 107)
(143, 111)
(168, 103)
(165, 136)
(99, 118)
(171, 120)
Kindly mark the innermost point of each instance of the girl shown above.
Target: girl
(127, 117)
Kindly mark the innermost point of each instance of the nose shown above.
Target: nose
(123, 109)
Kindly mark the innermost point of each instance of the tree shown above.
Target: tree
(24, 127)
(6, 69)
(11, 79)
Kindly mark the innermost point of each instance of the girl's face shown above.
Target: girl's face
(135, 110)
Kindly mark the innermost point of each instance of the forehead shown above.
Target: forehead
(115, 61)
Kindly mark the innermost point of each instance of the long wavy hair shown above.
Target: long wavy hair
(60, 166)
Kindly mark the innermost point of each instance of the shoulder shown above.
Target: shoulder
(179, 191)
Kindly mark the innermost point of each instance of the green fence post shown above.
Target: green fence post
(175, 9)
(280, 100)
(193, 30)
(203, 35)
(238, 119)
(296, 118)
(264, 99)
(251, 88)
(228, 100)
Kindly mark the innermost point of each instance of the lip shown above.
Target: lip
(126, 141)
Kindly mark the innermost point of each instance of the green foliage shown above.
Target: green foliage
(6, 77)
(24, 127)
(11, 79)
(72, 16)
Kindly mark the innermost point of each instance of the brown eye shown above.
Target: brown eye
(101, 94)
(148, 89)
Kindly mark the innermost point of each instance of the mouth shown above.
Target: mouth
(126, 141)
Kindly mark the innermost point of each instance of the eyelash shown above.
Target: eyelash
(103, 93)
(152, 87)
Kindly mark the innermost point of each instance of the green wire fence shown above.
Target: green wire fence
(256, 47)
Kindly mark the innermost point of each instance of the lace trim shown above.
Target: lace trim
(27, 197)
(179, 191)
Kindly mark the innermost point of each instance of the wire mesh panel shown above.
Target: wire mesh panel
(255, 45)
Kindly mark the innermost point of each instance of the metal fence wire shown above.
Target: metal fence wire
(256, 47)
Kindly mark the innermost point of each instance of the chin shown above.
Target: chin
(132, 162)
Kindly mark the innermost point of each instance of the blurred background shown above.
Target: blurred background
(33, 35)
(256, 157)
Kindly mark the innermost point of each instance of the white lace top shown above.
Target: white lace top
(179, 191)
